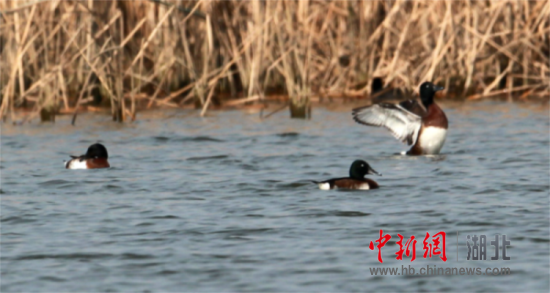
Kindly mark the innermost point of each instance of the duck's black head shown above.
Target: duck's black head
(427, 92)
(97, 150)
(360, 168)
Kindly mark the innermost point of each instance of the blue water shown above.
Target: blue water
(223, 203)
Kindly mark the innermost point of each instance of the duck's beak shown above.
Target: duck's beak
(438, 88)
(372, 171)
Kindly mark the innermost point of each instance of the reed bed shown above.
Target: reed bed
(65, 56)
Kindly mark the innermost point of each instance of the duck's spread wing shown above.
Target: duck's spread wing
(414, 107)
(397, 118)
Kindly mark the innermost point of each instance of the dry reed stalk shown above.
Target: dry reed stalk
(159, 87)
(252, 48)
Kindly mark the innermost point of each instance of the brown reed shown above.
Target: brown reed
(57, 56)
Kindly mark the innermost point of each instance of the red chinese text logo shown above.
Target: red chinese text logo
(407, 245)
(381, 242)
(434, 245)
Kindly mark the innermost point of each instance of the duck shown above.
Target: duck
(422, 125)
(96, 157)
(356, 179)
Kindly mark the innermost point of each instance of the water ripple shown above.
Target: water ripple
(224, 203)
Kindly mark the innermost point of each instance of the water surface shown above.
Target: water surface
(223, 203)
